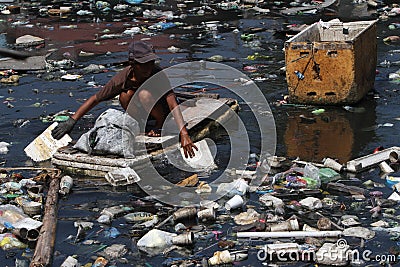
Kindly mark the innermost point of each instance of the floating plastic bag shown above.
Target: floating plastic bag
(113, 133)
(311, 175)
(10, 241)
(237, 187)
(156, 239)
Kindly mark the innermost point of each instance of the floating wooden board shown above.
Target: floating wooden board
(203, 109)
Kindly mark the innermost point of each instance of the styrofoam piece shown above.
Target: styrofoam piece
(385, 168)
(122, 176)
(394, 196)
(368, 161)
(44, 146)
(203, 159)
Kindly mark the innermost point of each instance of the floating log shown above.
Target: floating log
(47, 236)
(13, 53)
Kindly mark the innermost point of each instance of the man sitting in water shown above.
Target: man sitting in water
(125, 84)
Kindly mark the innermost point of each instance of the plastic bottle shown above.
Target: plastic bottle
(66, 184)
(299, 74)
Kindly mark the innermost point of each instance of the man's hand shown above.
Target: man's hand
(187, 145)
(63, 128)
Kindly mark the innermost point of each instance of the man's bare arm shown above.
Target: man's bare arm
(186, 141)
(85, 107)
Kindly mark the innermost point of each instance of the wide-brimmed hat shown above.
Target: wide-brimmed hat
(141, 52)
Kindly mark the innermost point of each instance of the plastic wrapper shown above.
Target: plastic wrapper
(9, 241)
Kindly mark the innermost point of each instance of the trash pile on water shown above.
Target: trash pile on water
(21, 211)
(301, 212)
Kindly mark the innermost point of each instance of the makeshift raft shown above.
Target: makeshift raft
(331, 62)
(199, 126)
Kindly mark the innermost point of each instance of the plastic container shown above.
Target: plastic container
(32, 208)
(234, 203)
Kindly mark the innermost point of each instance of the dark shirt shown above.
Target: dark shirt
(158, 84)
(121, 82)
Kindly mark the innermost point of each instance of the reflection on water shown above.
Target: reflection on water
(327, 136)
(336, 133)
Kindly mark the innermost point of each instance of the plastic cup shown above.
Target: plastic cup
(290, 225)
(385, 168)
(234, 203)
(206, 214)
(330, 163)
(184, 213)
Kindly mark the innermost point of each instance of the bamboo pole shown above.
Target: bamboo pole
(45, 244)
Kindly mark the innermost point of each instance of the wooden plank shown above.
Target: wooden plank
(91, 166)
(205, 131)
(30, 63)
(196, 95)
(154, 140)
(204, 109)
(192, 115)
(95, 175)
